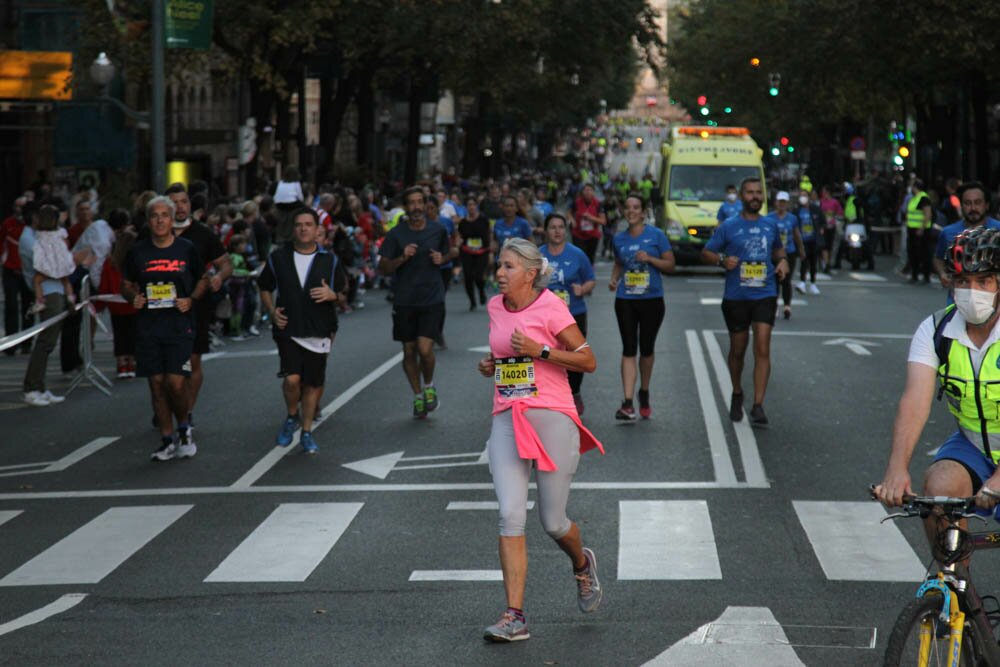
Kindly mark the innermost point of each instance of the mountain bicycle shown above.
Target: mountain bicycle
(948, 622)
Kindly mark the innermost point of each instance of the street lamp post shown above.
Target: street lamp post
(102, 72)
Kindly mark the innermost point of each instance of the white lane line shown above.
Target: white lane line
(833, 334)
(80, 454)
(7, 515)
(666, 539)
(852, 545)
(868, 277)
(478, 505)
(721, 461)
(271, 459)
(456, 575)
(753, 467)
(289, 544)
(64, 603)
(65, 462)
(357, 488)
(94, 550)
(239, 355)
(716, 301)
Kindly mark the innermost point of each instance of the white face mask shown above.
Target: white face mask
(803, 200)
(975, 305)
(731, 197)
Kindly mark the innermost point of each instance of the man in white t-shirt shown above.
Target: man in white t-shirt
(308, 281)
(955, 354)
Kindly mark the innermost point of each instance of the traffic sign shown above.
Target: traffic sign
(857, 144)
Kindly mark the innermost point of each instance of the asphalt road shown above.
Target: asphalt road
(716, 545)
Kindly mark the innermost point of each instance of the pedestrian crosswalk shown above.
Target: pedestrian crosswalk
(657, 540)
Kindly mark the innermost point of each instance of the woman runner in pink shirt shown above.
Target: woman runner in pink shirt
(534, 340)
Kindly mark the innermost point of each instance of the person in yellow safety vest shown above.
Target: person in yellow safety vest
(955, 354)
(646, 188)
(919, 216)
(805, 184)
(850, 204)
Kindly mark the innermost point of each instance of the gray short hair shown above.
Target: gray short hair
(166, 201)
(531, 258)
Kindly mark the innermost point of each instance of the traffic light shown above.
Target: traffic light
(755, 62)
(775, 151)
(702, 100)
(728, 109)
(791, 149)
(784, 141)
(904, 151)
(704, 111)
(775, 80)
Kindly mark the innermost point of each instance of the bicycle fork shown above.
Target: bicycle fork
(950, 614)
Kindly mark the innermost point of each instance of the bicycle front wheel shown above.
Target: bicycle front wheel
(919, 630)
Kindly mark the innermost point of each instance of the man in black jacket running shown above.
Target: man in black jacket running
(309, 281)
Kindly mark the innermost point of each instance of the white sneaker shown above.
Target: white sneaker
(185, 445)
(254, 331)
(165, 453)
(801, 286)
(813, 289)
(53, 398)
(37, 399)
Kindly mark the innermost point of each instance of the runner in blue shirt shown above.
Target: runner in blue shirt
(642, 253)
(810, 222)
(511, 225)
(791, 238)
(975, 203)
(572, 279)
(731, 206)
(749, 248)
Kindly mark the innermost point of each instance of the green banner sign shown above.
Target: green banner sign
(189, 24)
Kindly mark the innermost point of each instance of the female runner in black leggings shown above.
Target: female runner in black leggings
(642, 253)
(475, 251)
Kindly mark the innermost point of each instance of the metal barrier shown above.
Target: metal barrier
(88, 371)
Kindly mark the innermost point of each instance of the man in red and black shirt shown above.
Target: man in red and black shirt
(163, 277)
(17, 297)
(588, 221)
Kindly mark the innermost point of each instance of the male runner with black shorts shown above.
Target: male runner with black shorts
(162, 276)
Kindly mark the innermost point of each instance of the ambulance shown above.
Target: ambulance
(698, 164)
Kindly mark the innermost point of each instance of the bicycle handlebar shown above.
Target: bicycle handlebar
(921, 505)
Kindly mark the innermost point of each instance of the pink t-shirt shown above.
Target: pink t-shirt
(535, 382)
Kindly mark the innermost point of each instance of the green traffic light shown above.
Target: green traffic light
(773, 91)
(728, 109)
(704, 111)
(775, 152)
(791, 149)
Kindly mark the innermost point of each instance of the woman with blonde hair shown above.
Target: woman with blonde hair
(534, 341)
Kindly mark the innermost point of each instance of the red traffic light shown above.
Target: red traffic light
(784, 141)
(702, 100)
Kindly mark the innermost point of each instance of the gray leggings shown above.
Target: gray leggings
(511, 474)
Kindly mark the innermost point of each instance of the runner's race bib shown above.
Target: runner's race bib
(636, 282)
(515, 377)
(753, 274)
(161, 295)
(807, 229)
(474, 243)
(562, 294)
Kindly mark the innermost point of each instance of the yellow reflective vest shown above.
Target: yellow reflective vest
(974, 399)
(914, 216)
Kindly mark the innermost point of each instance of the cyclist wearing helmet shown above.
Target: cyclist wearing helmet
(955, 355)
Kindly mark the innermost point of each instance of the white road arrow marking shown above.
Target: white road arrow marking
(381, 466)
(481, 348)
(75, 456)
(856, 346)
(741, 636)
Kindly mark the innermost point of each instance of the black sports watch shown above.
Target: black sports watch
(545, 352)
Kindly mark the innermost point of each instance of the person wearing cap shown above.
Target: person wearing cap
(791, 237)
(975, 202)
(954, 355)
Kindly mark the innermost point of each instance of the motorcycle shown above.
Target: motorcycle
(855, 246)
